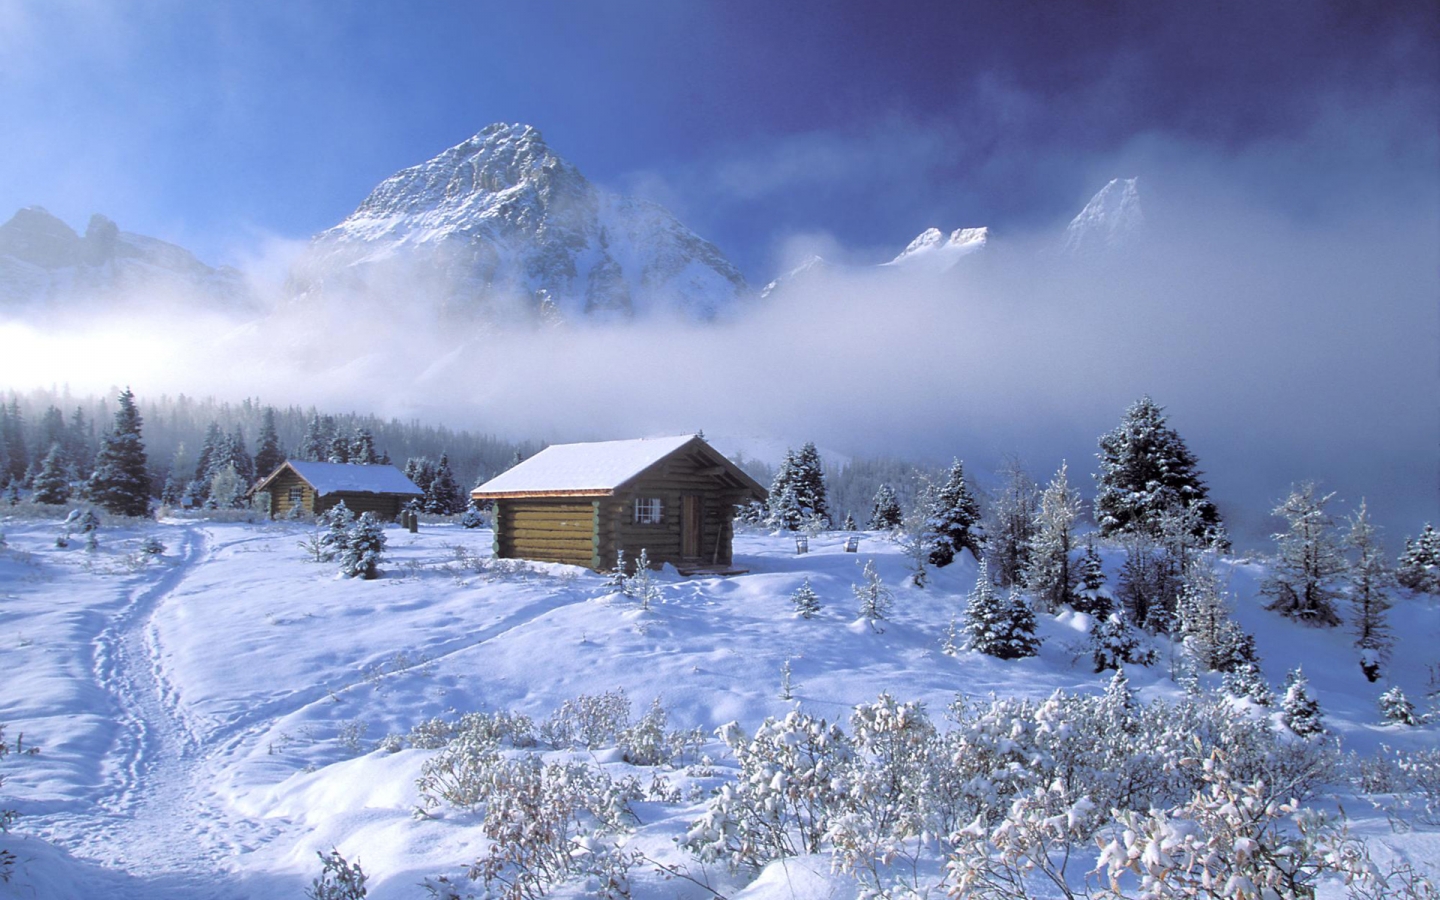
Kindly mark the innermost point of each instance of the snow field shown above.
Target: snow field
(209, 719)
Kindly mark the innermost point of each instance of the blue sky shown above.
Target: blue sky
(216, 124)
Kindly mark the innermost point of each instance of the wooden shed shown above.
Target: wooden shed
(317, 486)
(674, 497)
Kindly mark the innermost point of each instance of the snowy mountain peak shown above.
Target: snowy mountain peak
(1111, 220)
(811, 263)
(499, 225)
(933, 250)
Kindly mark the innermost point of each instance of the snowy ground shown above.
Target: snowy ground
(209, 717)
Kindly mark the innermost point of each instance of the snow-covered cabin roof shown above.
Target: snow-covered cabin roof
(595, 469)
(331, 478)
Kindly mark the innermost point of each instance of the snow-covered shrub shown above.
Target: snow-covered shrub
(431, 734)
(1419, 566)
(364, 548)
(8, 816)
(547, 824)
(1032, 843)
(1396, 709)
(1421, 771)
(805, 600)
(588, 721)
(334, 532)
(339, 879)
(1299, 711)
(80, 521)
(647, 743)
(872, 595)
(152, 546)
(784, 800)
(459, 773)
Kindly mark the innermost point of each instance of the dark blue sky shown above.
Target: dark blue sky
(217, 124)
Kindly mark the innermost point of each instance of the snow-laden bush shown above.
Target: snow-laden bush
(472, 517)
(588, 721)
(787, 793)
(648, 743)
(339, 879)
(469, 749)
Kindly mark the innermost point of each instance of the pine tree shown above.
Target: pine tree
(1304, 580)
(421, 471)
(315, 443)
(1092, 595)
(215, 445)
(121, 481)
(1011, 526)
(805, 600)
(364, 548)
(1113, 643)
(442, 494)
(954, 519)
(12, 439)
(798, 492)
(472, 517)
(1049, 575)
(885, 513)
(810, 488)
(873, 596)
(1396, 708)
(268, 453)
(80, 442)
(1299, 711)
(335, 524)
(1370, 579)
(227, 490)
(339, 449)
(1419, 566)
(996, 627)
(1148, 587)
(362, 447)
(1146, 469)
(848, 524)
(51, 484)
(175, 483)
(237, 456)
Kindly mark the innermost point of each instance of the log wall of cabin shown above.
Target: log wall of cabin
(662, 542)
(560, 531)
(386, 507)
(279, 490)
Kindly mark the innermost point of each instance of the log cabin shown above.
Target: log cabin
(315, 487)
(581, 504)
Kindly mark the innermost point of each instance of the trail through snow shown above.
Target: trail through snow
(154, 817)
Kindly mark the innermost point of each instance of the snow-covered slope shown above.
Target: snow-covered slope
(44, 263)
(212, 717)
(499, 227)
(1111, 221)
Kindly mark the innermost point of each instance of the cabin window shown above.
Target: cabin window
(647, 510)
(297, 495)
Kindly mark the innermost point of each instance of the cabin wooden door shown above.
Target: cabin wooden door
(690, 530)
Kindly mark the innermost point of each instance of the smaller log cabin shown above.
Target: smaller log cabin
(580, 504)
(317, 486)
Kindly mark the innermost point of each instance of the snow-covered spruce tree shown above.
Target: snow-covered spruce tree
(315, 443)
(121, 480)
(364, 548)
(1000, 628)
(1202, 616)
(954, 519)
(227, 491)
(472, 517)
(362, 447)
(849, 523)
(51, 484)
(1092, 594)
(339, 449)
(421, 470)
(1419, 566)
(268, 452)
(916, 534)
(872, 595)
(240, 458)
(1049, 575)
(1299, 711)
(798, 492)
(12, 441)
(805, 600)
(173, 493)
(885, 511)
(1114, 643)
(1370, 579)
(210, 448)
(1010, 525)
(1396, 708)
(334, 525)
(1304, 581)
(1146, 469)
(442, 495)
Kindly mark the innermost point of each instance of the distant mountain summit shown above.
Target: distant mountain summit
(45, 264)
(933, 251)
(1111, 221)
(499, 228)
